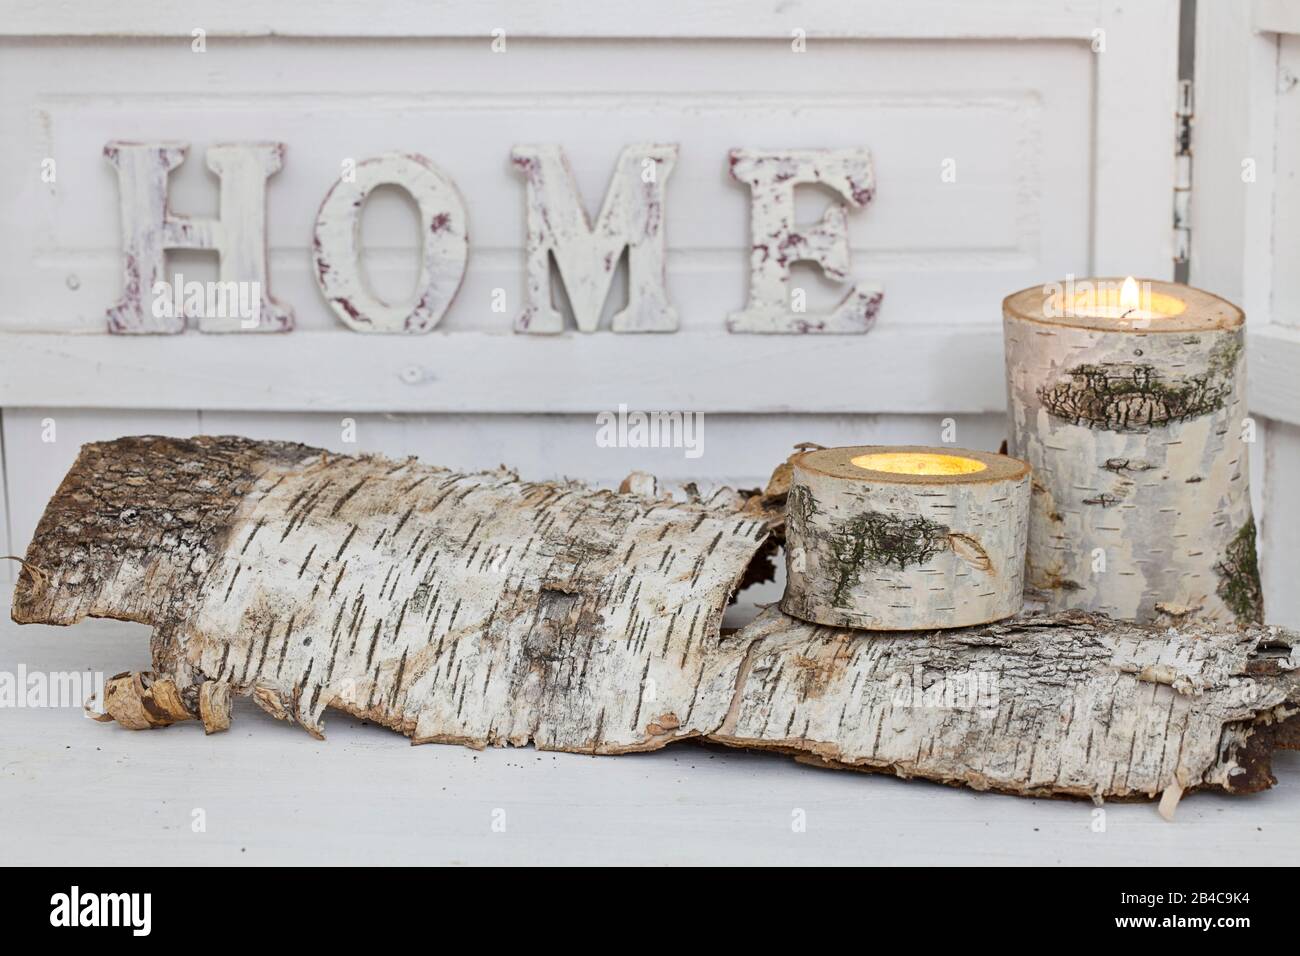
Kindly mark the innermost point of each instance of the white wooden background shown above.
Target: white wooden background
(1060, 168)
(1064, 164)
(1246, 243)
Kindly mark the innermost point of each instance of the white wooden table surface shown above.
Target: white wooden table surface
(73, 791)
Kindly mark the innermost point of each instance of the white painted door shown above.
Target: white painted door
(1246, 243)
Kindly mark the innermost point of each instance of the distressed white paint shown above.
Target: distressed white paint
(444, 245)
(777, 241)
(238, 235)
(631, 217)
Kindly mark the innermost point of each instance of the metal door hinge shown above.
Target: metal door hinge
(1183, 172)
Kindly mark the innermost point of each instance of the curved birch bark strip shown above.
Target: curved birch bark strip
(267, 568)
(452, 607)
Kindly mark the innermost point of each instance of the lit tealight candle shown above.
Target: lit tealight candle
(918, 463)
(905, 538)
(1126, 302)
(1127, 398)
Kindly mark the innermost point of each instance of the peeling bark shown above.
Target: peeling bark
(586, 621)
(1069, 704)
(1133, 429)
(471, 608)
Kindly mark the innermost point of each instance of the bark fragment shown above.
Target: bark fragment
(143, 701)
(214, 706)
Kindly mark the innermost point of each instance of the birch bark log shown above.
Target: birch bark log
(1134, 430)
(902, 551)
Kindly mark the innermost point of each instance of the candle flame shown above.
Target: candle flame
(1129, 298)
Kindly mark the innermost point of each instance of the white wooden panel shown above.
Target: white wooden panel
(898, 370)
(955, 19)
(1274, 354)
(1244, 246)
(7, 575)
(1275, 16)
(1042, 131)
(740, 450)
(1279, 543)
(890, 369)
(34, 467)
(946, 252)
(1232, 219)
(1286, 201)
(1257, 462)
(1137, 74)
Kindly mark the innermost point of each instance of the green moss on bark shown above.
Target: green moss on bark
(878, 539)
(1239, 585)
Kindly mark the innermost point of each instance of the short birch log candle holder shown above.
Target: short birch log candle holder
(1128, 401)
(905, 538)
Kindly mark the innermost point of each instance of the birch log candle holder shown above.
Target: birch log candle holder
(1129, 404)
(905, 538)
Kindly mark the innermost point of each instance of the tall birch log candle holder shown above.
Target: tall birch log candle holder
(1128, 401)
(905, 538)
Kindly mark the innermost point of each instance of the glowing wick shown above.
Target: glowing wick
(1129, 299)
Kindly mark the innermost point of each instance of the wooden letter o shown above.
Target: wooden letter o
(445, 245)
